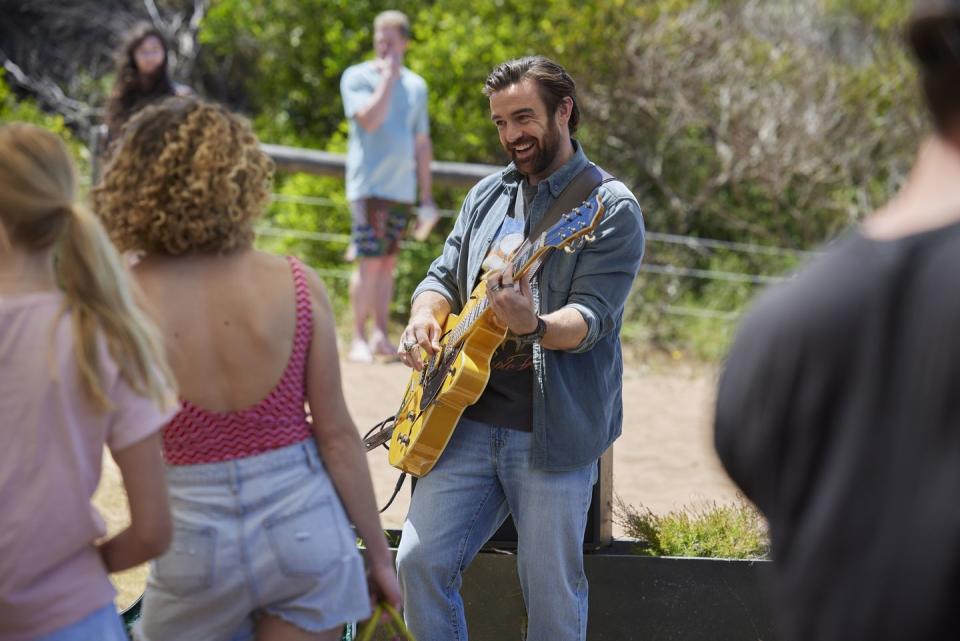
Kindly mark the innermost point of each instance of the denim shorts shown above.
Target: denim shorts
(103, 625)
(264, 534)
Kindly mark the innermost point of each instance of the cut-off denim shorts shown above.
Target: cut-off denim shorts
(265, 534)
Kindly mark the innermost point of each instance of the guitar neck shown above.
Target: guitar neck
(527, 259)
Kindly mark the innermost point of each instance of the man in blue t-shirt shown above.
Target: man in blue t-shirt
(389, 153)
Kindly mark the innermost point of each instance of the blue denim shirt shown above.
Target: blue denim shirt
(577, 394)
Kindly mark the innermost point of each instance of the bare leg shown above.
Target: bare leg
(273, 628)
(383, 296)
(363, 283)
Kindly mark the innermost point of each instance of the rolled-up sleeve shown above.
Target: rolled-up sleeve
(606, 270)
(355, 91)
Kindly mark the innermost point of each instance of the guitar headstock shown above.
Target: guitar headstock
(577, 224)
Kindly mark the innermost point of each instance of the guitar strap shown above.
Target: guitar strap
(576, 191)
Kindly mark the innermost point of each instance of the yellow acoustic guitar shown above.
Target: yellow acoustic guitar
(456, 375)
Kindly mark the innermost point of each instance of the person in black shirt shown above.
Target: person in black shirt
(838, 411)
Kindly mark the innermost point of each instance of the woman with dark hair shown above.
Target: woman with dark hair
(837, 411)
(142, 76)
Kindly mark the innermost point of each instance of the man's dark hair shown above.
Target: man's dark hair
(933, 34)
(553, 82)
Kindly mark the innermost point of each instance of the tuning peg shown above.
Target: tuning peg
(568, 249)
(589, 238)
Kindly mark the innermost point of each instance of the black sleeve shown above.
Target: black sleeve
(754, 397)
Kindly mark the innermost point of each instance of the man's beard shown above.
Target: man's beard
(546, 151)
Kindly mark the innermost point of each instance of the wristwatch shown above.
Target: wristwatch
(534, 336)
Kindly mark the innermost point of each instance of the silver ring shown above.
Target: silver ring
(494, 288)
(407, 346)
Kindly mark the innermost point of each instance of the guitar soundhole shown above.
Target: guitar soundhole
(435, 374)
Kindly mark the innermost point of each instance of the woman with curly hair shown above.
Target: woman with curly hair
(142, 76)
(262, 494)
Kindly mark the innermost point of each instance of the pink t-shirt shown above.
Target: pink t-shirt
(51, 444)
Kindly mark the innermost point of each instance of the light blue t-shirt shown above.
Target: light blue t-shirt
(382, 163)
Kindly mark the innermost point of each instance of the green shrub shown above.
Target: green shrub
(14, 110)
(732, 531)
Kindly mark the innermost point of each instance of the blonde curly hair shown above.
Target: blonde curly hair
(186, 176)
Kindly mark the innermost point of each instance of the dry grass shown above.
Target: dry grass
(111, 501)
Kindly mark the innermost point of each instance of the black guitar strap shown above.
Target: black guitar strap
(576, 191)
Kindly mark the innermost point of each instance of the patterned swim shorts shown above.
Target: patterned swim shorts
(378, 226)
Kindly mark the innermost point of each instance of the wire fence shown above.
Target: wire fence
(324, 163)
(653, 269)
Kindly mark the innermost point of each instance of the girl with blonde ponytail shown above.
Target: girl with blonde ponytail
(80, 367)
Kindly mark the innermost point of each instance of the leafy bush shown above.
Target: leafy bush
(773, 122)
(777, 122)
(734, 531)
(14, 110)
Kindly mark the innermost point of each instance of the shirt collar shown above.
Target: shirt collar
(558, 180)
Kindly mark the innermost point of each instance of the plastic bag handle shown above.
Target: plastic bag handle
(394, 625)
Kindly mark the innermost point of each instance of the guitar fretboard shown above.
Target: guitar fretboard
(526, 259)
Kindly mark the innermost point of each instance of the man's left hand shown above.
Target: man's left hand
(511, 301)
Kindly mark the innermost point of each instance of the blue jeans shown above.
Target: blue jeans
(482, 476)
(103, 625)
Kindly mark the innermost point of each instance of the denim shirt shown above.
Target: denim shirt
(577, 394)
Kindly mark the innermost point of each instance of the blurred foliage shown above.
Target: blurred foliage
(886, 15)
(766, 121)
(13, 109)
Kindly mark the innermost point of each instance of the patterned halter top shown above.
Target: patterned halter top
(196, 435)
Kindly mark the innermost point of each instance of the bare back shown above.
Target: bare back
(228, 323)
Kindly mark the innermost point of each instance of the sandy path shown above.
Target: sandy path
(664, 459)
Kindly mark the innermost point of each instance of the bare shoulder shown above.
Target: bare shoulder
(318, 291)
(271, 263)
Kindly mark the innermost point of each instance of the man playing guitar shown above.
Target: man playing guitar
(529, 446)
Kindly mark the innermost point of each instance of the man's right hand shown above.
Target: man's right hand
(389, 66)
(423, 331)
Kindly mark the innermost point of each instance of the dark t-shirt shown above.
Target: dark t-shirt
(838, 413)
(507, 401)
